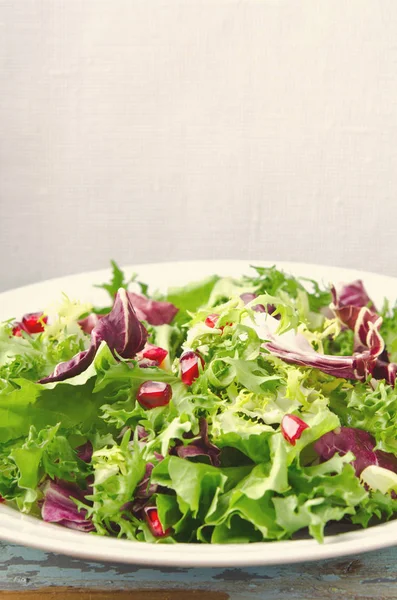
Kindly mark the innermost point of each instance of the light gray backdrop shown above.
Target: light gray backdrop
(178, 129)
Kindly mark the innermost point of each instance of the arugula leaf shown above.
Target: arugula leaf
(272, 281)
(118, 281)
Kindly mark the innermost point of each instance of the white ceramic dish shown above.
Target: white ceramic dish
(25, 530)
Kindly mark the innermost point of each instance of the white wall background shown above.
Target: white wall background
(176, 129)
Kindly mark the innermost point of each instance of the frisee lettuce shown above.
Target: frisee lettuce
(214, 462)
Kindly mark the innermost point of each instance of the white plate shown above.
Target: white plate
(25, 530)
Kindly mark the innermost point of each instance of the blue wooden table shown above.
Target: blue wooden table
(362, 577)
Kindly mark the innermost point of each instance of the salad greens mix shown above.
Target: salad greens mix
(227, 410)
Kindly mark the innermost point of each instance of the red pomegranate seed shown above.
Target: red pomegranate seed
(154, 353)
(152, 519)
(151, 394)
(189, 362)
(292, 428)
(17, 329)
(33, 322)
(211, 320)
(2, 499)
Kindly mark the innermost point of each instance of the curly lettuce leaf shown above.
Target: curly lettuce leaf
(372, 410)
(44, 453)
(389, 330)
(118, 468)
(272, 281)
(214, 461)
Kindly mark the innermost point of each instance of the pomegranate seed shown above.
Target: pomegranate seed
(2, 499)
(154, 353)
(151, 394)
(211, 320)
(189, 362)
(17, 330)
(152, 519)
(292, 428)
(33, 322)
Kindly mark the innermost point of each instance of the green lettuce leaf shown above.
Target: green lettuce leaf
(265, 487)
(374, 411)
(118, 468)
(43, 453)
(190, 298)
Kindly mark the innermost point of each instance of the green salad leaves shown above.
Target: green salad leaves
(224, 411)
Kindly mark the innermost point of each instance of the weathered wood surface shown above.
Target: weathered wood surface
(78, 594)
(364, 577)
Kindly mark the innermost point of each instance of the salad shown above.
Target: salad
(228, 410)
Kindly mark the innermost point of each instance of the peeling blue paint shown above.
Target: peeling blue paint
(330, 577)
(369, 576)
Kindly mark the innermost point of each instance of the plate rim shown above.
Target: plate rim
(283, 264)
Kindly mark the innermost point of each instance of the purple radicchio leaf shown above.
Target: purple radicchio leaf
(88, 323)
(146, 363)
(58, 506)
(145, 489)
(152, 311)
(140, 430)
(360, 443)
(270, 308)
(297, 350)
(385, 370)
(76, 365)
(84, 452)
(369, 346)
(200, 446)
(352, 294)
(352, 305)
(120, 329)
(142, 433)
(354, 308)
